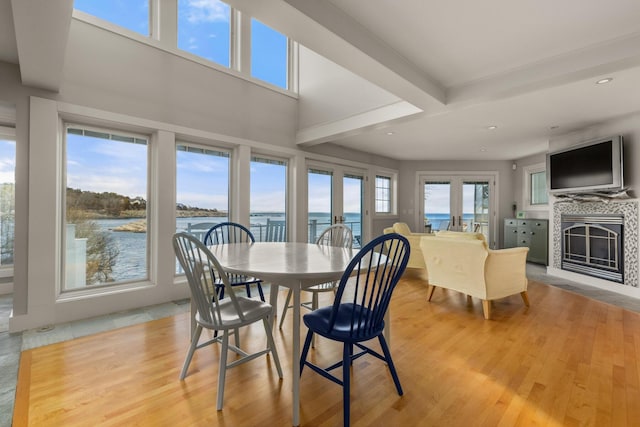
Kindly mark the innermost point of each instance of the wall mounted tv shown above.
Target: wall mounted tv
(589, 167)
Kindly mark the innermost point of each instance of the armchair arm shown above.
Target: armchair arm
(505, 272)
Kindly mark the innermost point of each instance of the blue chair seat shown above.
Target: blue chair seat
(343, 330)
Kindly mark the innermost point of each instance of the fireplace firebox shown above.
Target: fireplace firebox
(593, 245)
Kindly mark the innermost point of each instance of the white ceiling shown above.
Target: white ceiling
(526, 66)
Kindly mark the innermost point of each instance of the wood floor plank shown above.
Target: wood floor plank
(565, 360)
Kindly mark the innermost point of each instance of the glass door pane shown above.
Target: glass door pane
(437, 205)
(352, 191)
(475, 207)
(319, 202)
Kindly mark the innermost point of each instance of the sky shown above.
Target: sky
(7, 161)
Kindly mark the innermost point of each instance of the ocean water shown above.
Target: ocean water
(131, 263)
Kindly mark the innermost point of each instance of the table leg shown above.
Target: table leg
(273, 300)
(296, 355)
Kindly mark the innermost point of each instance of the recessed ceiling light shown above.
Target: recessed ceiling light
(492, 127)
(483, 149)
(389, 133)
(603, 81)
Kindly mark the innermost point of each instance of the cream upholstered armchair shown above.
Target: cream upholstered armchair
(467, 265)
(416, 260)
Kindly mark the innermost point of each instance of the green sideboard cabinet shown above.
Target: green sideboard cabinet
(532, 233)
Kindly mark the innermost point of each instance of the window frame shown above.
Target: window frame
(103, 288)
(287, 183)
(527, 173)
(393, 178)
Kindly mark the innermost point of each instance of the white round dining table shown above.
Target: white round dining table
(292, 265)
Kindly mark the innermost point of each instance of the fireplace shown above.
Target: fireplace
(593, 245)
(603, 263)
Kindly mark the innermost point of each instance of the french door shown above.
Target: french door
(335, 195)
(458, 203)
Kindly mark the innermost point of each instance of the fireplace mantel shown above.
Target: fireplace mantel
(627, 208)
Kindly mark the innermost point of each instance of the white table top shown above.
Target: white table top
(284, 261)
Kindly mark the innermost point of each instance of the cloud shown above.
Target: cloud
(198, 11)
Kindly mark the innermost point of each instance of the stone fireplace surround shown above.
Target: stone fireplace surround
(627, 208)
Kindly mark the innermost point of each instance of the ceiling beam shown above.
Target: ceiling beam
(42, 33)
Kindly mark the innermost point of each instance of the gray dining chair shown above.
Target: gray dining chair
(338, 235)
(276, 231)
(226, 315)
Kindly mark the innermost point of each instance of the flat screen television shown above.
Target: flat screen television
(588, 167)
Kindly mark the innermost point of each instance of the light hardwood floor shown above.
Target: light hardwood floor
(567, 360)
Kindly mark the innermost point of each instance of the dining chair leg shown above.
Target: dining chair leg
(305, 349)
(192, 348)
(236, 332)
(261, 293)
(272, 346)
(392, 368)
(248, 290)
(346, 383)
(222, 371)
(286, 307)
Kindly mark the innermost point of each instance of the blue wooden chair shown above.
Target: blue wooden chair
(357, 314)
(231, 232)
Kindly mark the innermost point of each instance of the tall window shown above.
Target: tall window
(383, 194)
(7, 195)
(130, 14)
(105, 226)
(202, 189)
(204, 29)
(535, 187)
(268, 198)
(269, 54)
(539, 188)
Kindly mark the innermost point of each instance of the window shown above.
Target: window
(105, 238)
(7, 196)
(204, 29)
(131, 14)
(269, 53)
(202, 189)
(535, 191)
(383, 194)
(268, 198)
